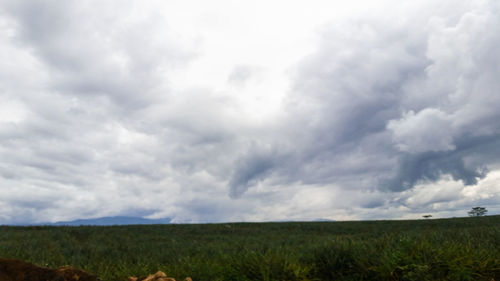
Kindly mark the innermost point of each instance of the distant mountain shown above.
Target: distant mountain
(305, 220)
(322, 219)
(118, 220)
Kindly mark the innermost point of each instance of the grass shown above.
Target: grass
(441, 249)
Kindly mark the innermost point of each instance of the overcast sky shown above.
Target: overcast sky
(212, 111)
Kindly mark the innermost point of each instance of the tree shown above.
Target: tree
(477, 212)
(427, 216)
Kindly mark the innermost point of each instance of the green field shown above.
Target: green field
(441, 249)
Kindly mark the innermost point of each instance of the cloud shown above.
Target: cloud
(242, 73)
(431, 166)
(429, 130)
(412, 99)
(107, 112)
(255, 166)
(103, 54)
(76, 87)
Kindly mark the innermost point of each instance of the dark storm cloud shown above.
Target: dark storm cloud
(430, 166)
(342, 97)
(254, 167)
(393, 105)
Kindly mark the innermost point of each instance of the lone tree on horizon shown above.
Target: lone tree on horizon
(477, 212)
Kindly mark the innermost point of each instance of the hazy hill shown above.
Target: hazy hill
(118, 220)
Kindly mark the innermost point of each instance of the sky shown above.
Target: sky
(230, 110)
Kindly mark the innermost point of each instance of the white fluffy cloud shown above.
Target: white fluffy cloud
(428, 130)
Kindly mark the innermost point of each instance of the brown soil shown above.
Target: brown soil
(15, 270)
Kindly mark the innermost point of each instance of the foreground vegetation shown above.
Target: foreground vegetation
(444, 249)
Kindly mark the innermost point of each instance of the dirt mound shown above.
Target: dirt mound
(15, 270)
(158, 276)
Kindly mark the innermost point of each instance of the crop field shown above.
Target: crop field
(440, 249)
